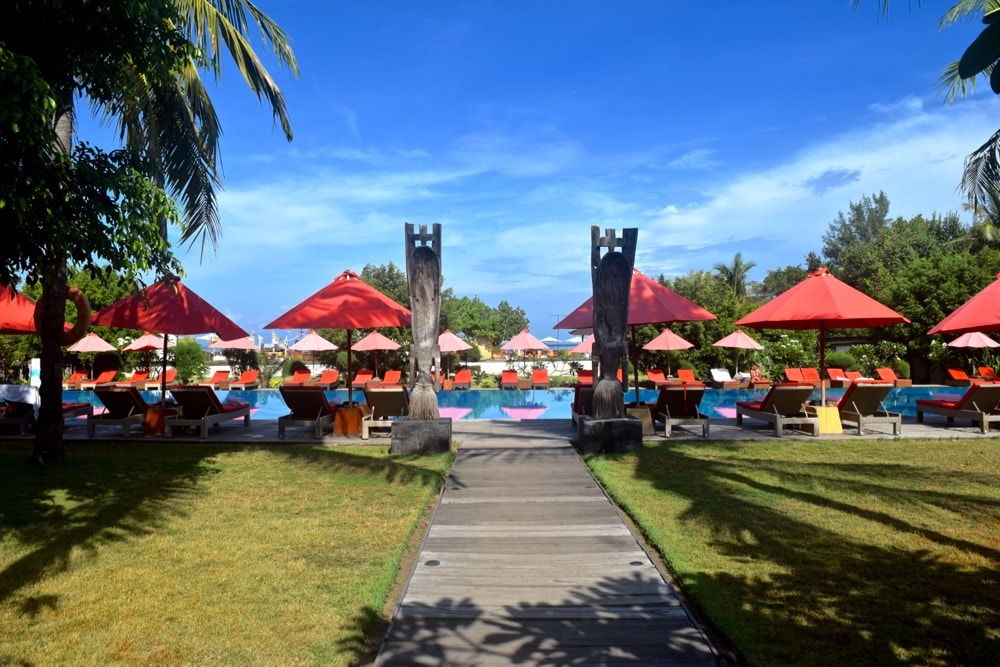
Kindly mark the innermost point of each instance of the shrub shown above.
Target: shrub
(189, 360)
(842, 360)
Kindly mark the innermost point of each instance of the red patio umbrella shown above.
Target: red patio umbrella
(17, 312)
(148, 342)
(980, 313)
(242, 343)
(585, 346)
(346, 303)
(91, 343)
(374, 342)
(821, 302)
(168, 307)
(649, 302)
(312, 342)
(739, 341)
(449, 342)
(668, 340)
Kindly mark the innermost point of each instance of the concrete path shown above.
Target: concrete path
(527, 562)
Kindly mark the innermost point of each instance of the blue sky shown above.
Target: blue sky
(714, 128)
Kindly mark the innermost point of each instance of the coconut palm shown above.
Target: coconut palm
(735, 274)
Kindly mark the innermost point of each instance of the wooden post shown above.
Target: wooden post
(612, 281)
(423, 274)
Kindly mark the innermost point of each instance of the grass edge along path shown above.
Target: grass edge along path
(137, 554)
(871, 552)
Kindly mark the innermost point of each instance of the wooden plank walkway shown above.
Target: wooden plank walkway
(526, 561)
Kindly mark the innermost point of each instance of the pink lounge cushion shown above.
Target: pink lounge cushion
(232, 404)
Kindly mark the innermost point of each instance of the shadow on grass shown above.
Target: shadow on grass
(119, 491)
(845, 601)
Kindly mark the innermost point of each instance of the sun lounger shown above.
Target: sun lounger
(74, 380)
(889, 375)
(656, 376)
(721, 379)
(201, 408)
(15, 413)
(463, 379)
(248, 380)
(539, 378)
(583, 402)
(677, 405)
(980, 405)
(218, 377)
(171, 378)
(838, 378)
(684, 375)
(328, 379)
(385, 404)
(124, 407)
(959, 378)
(782, 406)
(72, 410)
(794, 375)
(392, 378)
(298, 378)
(987, 373)
(309, 406)
(105, 378)
(508, 379)
(138, 380)
(586, 376)
(362, 378)
(811, 375)
(861, 404)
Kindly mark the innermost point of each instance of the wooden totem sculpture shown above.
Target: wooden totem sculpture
(423, 273)
(612, 277)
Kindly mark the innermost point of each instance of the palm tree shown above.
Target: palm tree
(981, 174)
(735, 274)
(175, 126)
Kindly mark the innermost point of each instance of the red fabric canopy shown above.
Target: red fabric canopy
(346, 303)
(375, 341)
(91, 343)
(523, 341)
(979, 313)
(168, 307)
(739, 340)
(821, 301)
(649, 303)
(312, 342)
(17, 312)
(148, 342)
(667, 340)
(449, 342)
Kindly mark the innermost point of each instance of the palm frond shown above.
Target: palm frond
(981, 174)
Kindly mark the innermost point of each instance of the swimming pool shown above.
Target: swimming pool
(546, 403)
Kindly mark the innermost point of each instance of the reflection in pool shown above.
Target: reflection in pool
(549, 403)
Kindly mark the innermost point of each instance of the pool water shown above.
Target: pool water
(547, 403)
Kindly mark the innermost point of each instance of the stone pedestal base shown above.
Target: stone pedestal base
(420, 437)
(609, 436)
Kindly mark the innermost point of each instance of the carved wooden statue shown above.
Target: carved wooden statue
(612, 277)
(423, 273)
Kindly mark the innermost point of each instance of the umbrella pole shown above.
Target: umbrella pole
(635, 367)
(822, 366)
(350, 382)
(163, 373)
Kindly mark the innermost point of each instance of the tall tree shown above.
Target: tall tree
(848, 244)
(735, 274)
(134, 60)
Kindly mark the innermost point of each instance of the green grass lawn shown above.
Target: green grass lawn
(166, 554)
(874, 552)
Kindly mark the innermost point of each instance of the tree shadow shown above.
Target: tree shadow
(618, 620)
(851, 601)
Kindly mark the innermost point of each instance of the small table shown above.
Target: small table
(643, 413)
(829, 419)
(156, 418)
(347, 421)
